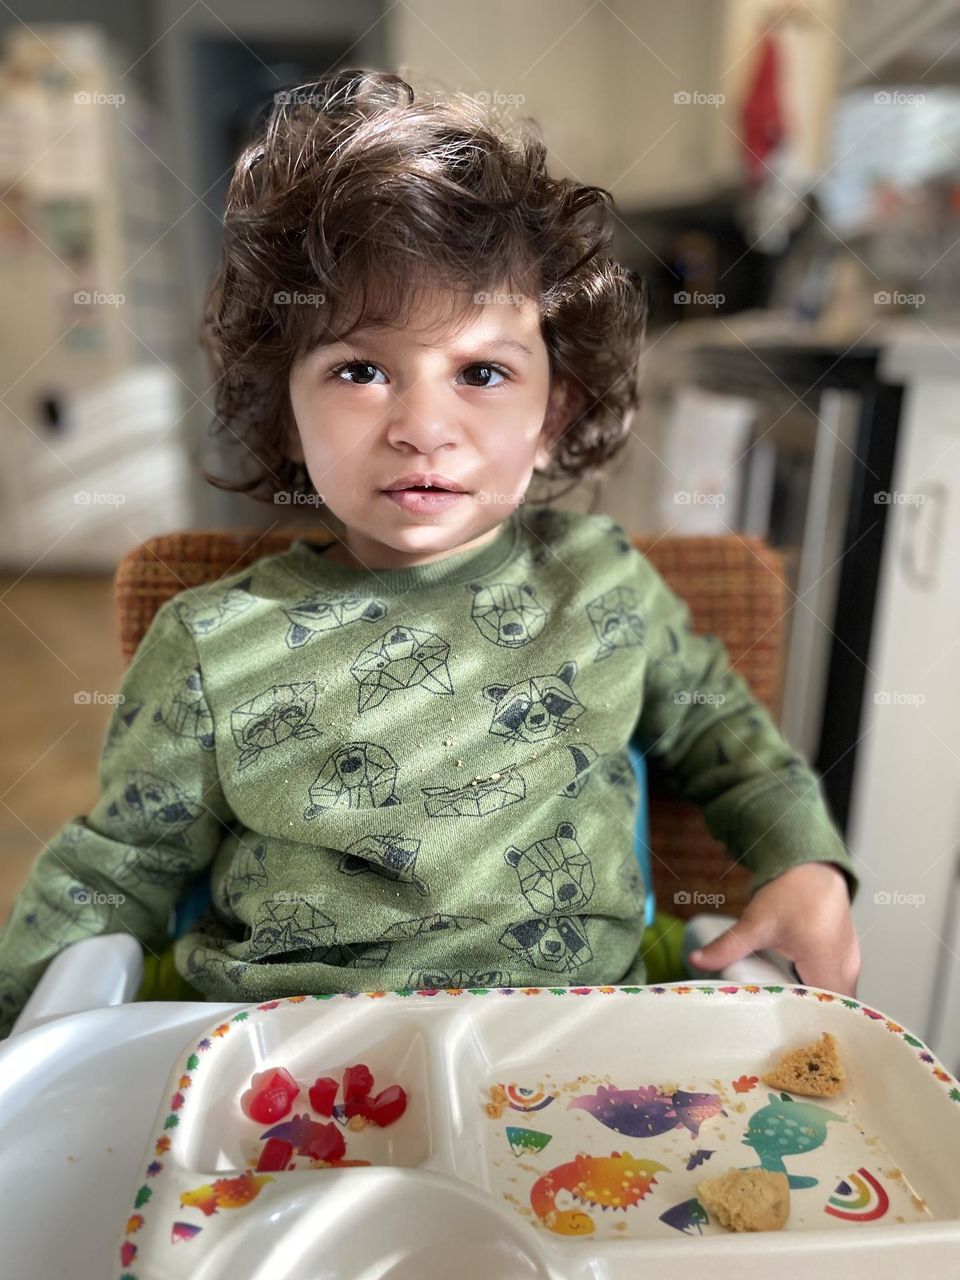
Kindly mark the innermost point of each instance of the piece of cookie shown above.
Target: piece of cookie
(815, 1070)
(746, 1199)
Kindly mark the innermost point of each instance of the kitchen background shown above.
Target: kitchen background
(787, 178)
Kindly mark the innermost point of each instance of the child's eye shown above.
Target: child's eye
(356, 364)
(366, 373)
(495, 369)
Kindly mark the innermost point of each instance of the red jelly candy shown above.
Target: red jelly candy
(275, 1156)
(387, 1106)
(357, 1083)
(322, 1095)
(328, 1144)
(270, 1095)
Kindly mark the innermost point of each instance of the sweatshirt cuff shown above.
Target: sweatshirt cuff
(775, 832)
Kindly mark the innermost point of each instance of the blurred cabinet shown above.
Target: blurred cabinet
(905, 819)
(92, 459)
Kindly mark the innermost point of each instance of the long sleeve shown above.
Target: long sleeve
(156, 823)
(720, 748)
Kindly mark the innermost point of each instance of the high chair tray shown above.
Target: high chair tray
(548, 1132)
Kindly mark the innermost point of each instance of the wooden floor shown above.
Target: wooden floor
(57, 639)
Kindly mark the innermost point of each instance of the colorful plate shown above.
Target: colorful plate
(551, 1132)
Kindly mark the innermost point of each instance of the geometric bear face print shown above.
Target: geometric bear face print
(311, 616)
(507, 614)
(121, 722)
(618, 534)
(476, 800)
(394, 857)
(558, 943)
(358, 775)
(456, 980)
(291, 931)
(583, 757)
(215, 608)
(555, 874)
(62, 926)
(536, 709)
(398, 660)
(169, 868)
(439, 922)
(247, 873)
(273, 717)
(150, 802)
(184, 708)
(616, 621)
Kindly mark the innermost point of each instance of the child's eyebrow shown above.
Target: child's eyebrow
(369, 334)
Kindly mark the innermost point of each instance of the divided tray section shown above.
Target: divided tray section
(548, 1132)
(215, 1136)
(206, 1198)
(599, 1115)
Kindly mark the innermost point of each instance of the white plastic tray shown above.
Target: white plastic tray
(451, 1189)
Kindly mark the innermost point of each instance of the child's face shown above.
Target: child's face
(475, 406)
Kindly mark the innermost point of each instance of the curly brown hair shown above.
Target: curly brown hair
(355, 194)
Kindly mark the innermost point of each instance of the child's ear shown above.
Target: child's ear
(561, 408)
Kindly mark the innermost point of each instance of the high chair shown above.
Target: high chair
(735, 590)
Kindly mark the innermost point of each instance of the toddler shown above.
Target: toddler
(400, 757)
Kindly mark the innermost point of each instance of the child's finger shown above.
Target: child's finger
(739, 940)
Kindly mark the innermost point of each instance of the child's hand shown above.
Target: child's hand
(803, 913)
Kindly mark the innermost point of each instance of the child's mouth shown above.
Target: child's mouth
(423, 498)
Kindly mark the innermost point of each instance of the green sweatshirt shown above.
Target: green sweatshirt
(412, 777)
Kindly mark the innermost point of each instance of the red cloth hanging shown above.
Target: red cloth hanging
(764, 125)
